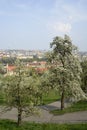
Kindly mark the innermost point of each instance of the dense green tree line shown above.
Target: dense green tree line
(8, 60)
(11, 60)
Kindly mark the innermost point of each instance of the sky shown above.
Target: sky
(32, 24)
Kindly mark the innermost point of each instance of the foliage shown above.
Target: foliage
(44, 86)
(84, 75)
(33, 59)
(78, 106)
(47, 98)
(21, 90)
(10, 125)
(8, 60)
(2, 101)
(65, 69)
(2, 69)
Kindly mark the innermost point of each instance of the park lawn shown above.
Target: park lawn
(78, 106)
(11, 125)
(2, 100)
(52, 96)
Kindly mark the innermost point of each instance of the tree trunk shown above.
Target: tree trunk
(62, 100)
(19, 116)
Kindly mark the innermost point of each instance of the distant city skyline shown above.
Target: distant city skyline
(32, 24)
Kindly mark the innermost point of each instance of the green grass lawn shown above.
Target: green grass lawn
(2, 100)
(10, 125)
(52, 96)
(79, 106)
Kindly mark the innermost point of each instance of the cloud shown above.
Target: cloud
(61, 27)
(76, 12)
(70, 11)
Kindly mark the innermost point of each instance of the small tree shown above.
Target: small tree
(65, 68)
(21, 90)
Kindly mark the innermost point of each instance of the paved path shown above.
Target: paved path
(45, 116)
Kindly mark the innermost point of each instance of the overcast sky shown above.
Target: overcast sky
(32, 24)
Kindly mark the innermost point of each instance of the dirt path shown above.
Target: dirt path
(45, 116)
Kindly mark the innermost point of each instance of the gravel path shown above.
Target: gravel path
(45, 116)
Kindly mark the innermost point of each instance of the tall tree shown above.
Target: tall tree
(21, 91)
(65, 68)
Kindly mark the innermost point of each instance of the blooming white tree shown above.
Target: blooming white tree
(21, 91)
(65, 69)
